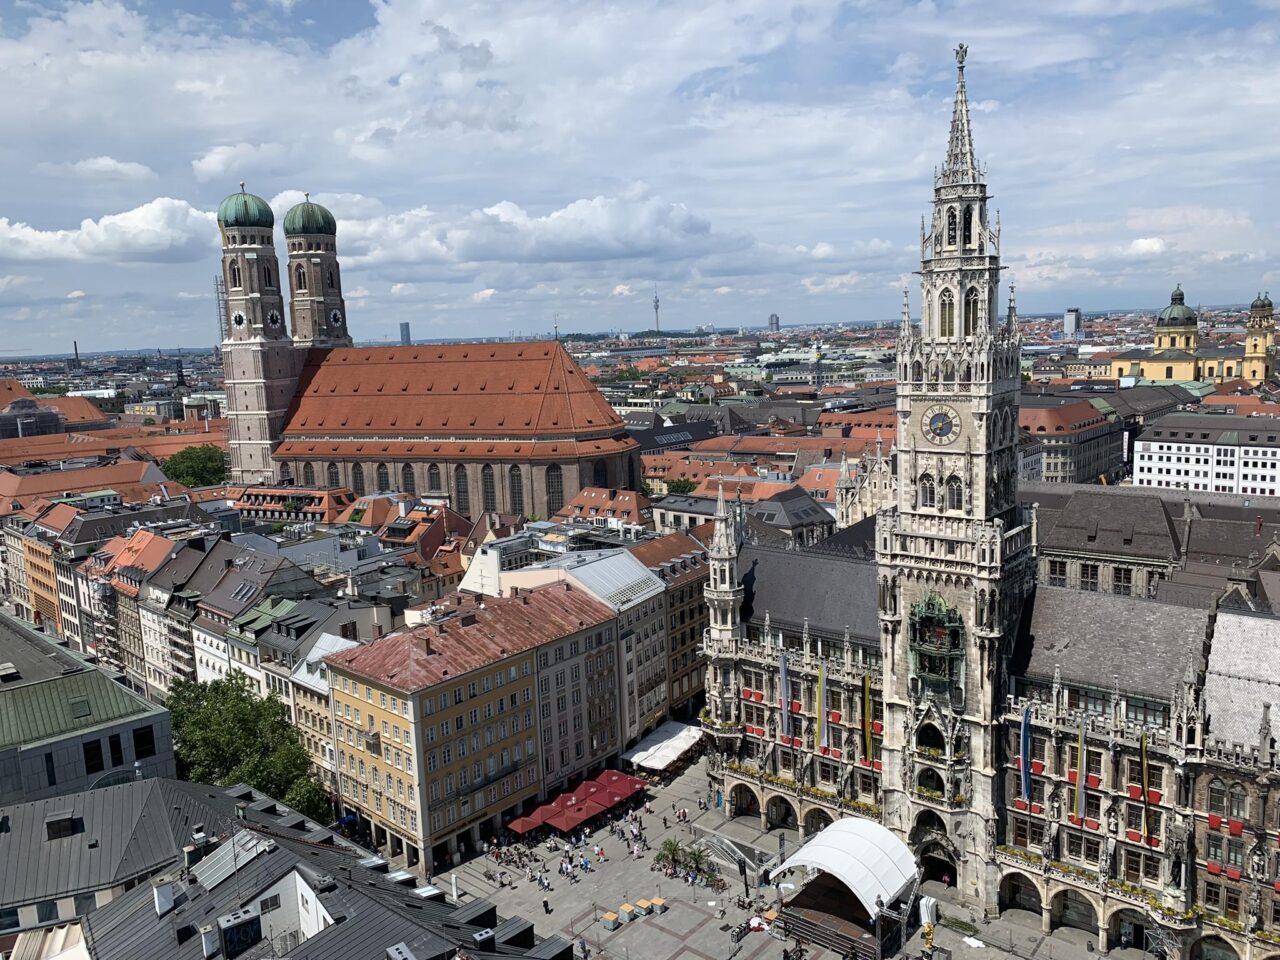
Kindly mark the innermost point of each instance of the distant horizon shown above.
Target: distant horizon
(492, 166)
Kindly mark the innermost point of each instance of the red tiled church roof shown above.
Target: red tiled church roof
(468, 391)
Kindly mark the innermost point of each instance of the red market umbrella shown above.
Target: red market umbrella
(523, 824)
(562, 820)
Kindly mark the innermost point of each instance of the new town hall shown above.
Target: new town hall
(1054, 702)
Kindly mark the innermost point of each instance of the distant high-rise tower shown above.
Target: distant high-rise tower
(775, 323)
(1071, 322)
(405, 338)
(656, 325)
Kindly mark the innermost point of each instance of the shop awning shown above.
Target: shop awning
(664, 746)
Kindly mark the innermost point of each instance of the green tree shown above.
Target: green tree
(645, 488)
(201, 466)
(311, 799)
(224, 733)
(671, 851)
(680, 487)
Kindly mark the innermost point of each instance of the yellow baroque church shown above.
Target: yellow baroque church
(1178, 354)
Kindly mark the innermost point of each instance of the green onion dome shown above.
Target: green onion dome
(245, 210)
(309, 218)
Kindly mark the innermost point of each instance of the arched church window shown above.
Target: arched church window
(331, 280)
(515, 484)
(946, 314)
(300, 277)
(461, 492)
(955, 494)
(357, 480)
(1237, 802)
(488, 490)
(407, 482)
(384, 478)
(286, 472)
(555, 489)
(951, 227)
(948, 372)
(968, 226)
(600, 474)
(433, 477)
(966, 374)
(235, 275)
(928, 495)
(308, 475)
(331, 475)
(971, 312)
(917, 372)
(267, 279)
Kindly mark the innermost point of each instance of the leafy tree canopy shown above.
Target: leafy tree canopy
(224, 733)
(681, 487)
(201, 466)
(311, 799)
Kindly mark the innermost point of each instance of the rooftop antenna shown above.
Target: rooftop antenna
(656, 325)
(556, 327)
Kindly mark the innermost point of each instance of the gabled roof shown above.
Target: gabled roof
(447, 391)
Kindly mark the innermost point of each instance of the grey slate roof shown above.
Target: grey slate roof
(1103, 523)
(1097, 638)
(832, 591)
(1237, 684)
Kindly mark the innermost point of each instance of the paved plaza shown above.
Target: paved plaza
(698, 921)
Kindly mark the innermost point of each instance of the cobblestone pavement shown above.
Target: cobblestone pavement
(698, 921)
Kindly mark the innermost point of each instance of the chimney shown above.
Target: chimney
(404, 507)
(513, 591)
(426, 642)
(162, 893)
(208, 940)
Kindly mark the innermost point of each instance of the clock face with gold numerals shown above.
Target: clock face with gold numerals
(940, 424)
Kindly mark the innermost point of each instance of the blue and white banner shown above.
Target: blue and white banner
(1024, 759)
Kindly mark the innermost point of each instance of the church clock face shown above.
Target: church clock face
(940, 424)
(335, 318)
(238, 319)
(273, 318)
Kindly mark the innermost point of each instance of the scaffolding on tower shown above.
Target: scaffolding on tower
(220, 308)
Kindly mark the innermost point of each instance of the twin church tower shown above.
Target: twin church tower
(262, 357)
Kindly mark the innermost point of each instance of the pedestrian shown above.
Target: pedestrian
(673, 806)
(664, 823)
(583, 948)
(546, 905)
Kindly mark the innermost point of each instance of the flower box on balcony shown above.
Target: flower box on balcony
(877, 726)
(1215, 821)
(1236, 827)
(1277, 886)
(1233, 873)
(1036, 808)
(1214, 868)
(1074, 819)
(1020, 804)
(835, 716)
(795, 706)
(757, 696)
(1154, 796)
(1153, 842)
(864, 761)
(825, 751)
(1092, 824)
(746, 694)
(1133, 836)
(877, 764)
(1037, 767)
(837, 754)
(1072, 776)
(1092, 782)
(1135, 792)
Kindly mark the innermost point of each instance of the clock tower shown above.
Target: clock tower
(955, 550)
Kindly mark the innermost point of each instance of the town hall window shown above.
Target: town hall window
(927, 493)
(955, 494)
(951, 227)
(946, 314)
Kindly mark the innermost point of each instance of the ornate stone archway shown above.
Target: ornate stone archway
(743, 801)
(782, 812)
(1020, 892)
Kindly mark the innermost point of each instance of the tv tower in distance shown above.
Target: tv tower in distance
(656, 325)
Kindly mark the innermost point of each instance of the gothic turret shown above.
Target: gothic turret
(953, 552)
(724, 600)
(318, 313)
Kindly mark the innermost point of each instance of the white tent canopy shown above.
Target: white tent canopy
(864, 856)
(664, 746)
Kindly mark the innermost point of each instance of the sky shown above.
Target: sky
(497, 167)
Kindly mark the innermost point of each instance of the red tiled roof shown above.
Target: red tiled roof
(76, 410)
(115, 476)
(496, 450)
(664, 556)
(591, 502)
(419, 657)
(1066, 418)
(473, 390)
(11, 390)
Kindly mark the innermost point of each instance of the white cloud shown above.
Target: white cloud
(189, 295)
(483, 296)
(1146, 246)
(76, 295)
(100, 168)
(240, 160)
(721, 291)
(622, 290)
(161, 230)
(11, 280)
(402, 289)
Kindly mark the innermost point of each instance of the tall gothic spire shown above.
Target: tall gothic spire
(724, 541)
(960, 166)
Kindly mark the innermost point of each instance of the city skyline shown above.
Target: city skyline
(493, 167)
